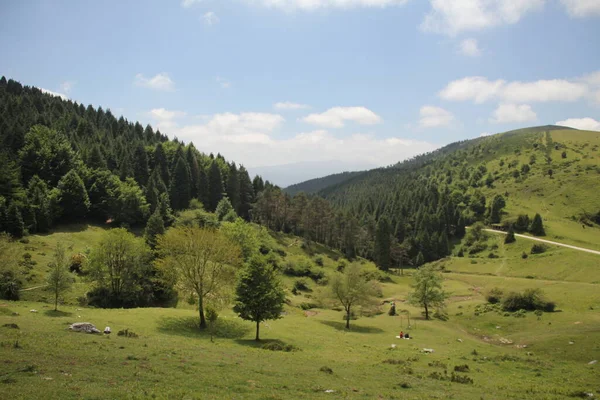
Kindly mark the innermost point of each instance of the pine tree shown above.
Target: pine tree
(225, 211)
(14, 221)
(180, 190)
(154, 228)
(96, 159)
(510, 236)
(203, 191)
(160, 162)
(154, 189)
(37, 195)
(233, 187)
(537, 226)
(382, 244)
(259, 293)
(258, 184)
(140, 165)
(74, 200)
(420, 260)
(194, 171)
(215, 186)
(246, 194)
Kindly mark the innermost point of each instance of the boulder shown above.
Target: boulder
(83, 327)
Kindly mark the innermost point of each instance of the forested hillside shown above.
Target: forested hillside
(317, 184)
(61, 161)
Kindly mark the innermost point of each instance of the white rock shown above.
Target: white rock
(83, 327)
(330, 391)
(427, 350)
(107, 330)
(593, 362)
(32, 310)
(460, 340)
(393, 346)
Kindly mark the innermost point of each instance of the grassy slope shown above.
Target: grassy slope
(571, 190)
(171, 359)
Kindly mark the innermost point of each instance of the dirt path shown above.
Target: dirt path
(31, 288)
(548, 241)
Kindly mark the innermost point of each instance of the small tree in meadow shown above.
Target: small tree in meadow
(59, 280)
(510, 236)
(428, 289)
(351, 289)
(537, 226)
(259, 294)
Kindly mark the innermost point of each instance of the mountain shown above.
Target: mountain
(317, 184)
(551, 170)
(290, 174)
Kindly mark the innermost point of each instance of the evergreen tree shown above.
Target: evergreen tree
(125, 168)
(225, 211)
(154, 189)
(259, 293)
(258, 184)
(194, 171)
(215, 186)
(420, 260)
(510, 237)
(154, 228)
(14, 221)
(382, 244)
(140, 165)
(180, 190)
(37, 195)
(537, 226)
(246, 194)
(233, 187)
(74, 200)
(160, 162)
(96, 159)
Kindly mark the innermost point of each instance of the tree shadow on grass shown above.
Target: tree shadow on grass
(188, 327)
(341, 326)
(58, 313)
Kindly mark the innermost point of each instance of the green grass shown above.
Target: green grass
(172, 359)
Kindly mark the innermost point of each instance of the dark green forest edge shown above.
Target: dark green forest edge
(63, 162)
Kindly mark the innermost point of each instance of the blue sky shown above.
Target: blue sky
(356, 82)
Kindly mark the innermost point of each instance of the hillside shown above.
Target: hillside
(549, 170)
(315, 185)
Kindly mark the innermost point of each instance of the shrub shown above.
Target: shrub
(308, 306)
(529, 300)
(300, 284)
(464, 379)
(524, 255)
(461, 368)
(319, 261)
(279, 346)
(477, 248)
(493, 255)
(327, 370)
(127, 333)
(538, 248)
(342, 264)
(405, 385)
(494, 296)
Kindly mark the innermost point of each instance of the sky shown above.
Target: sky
(346, 84)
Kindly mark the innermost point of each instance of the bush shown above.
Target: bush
(327, 370)
(477, 248)
(464, 379)
(493, 255)
(319, 261)
(10, 286)
(529, 300)
(300, 284)
(538, 248)
(342, 264)
(308, 306)
(127, 333)
(461, 368)
(524, 256)
(279, 346)
(303, 268)
(494, 296)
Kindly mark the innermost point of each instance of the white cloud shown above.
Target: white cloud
(476, 88)
(313, 5)
(160, 81)
(480, 89)
(210, 19)
(190, 3)
(470, 47)
(582, 8)
(432, 117)
(586, 124)
(67, 86)
(484, 134)
(225, 84)
(253, 139)
(61, 95)
(506, 113)
(454, 16)
(288, 105)
(336, 116)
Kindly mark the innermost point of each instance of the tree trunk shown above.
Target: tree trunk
(201, 312)
(348, 318)
(257, 330)
(426, 311)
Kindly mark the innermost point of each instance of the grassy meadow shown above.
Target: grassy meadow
(530, 357)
